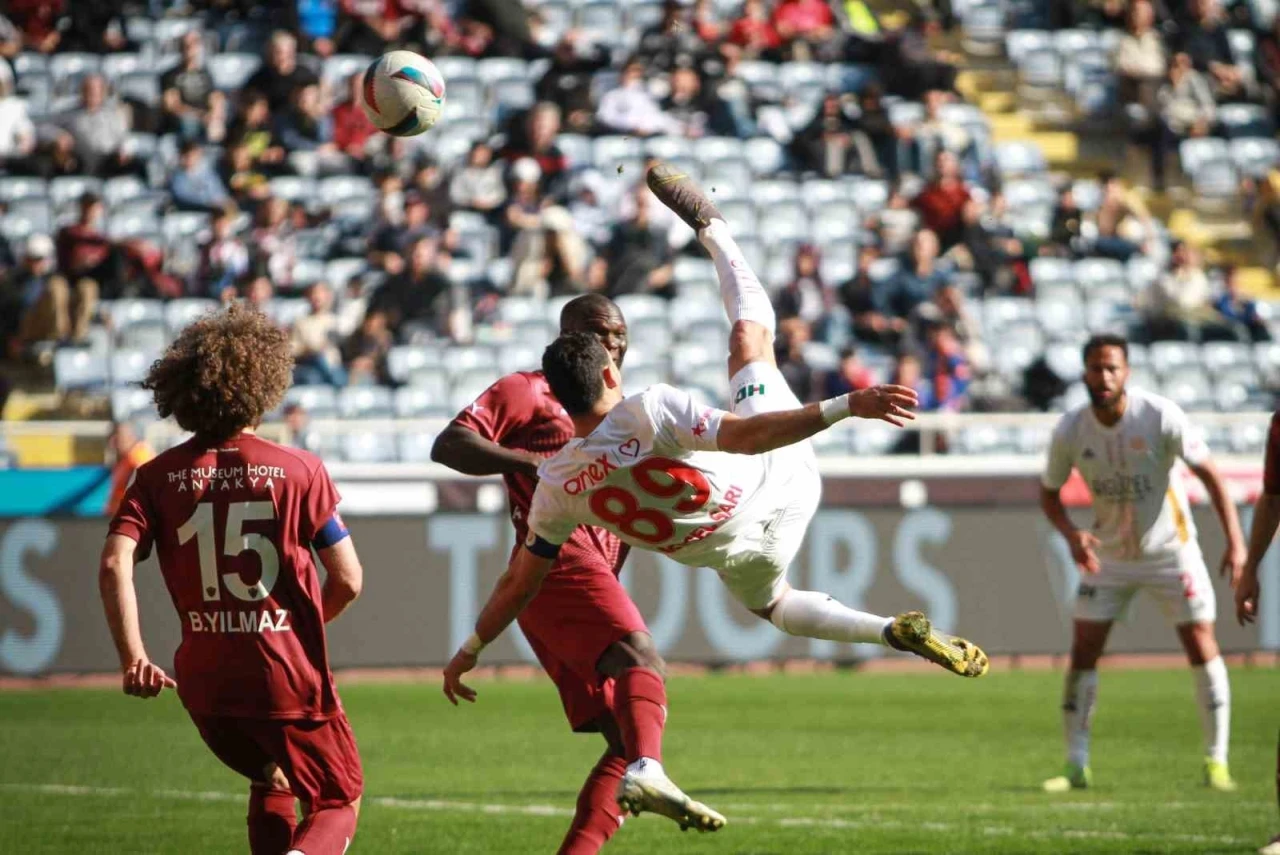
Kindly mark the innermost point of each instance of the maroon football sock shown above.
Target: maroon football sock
(272, 819)
(640, 707)
(597, 816)
(326, 832)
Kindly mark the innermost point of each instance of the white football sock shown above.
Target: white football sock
(646, 766)
(1213, 696)
(811, 614)
(1079, 696)
(745, 299)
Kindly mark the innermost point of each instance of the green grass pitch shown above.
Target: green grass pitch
(825, 763)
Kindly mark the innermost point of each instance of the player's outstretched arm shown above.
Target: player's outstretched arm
(1234, 557)
(344, 577)
(767, 431)
(463, 450)
(513, 592)
(142, 678)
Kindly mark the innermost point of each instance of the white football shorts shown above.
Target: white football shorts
(755, 571)
(1181, 586)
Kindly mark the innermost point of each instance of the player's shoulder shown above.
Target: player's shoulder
(1071, 422)
(1149, 405)
(259, 451)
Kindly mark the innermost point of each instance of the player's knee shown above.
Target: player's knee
(750, 342)
(1200, 642)
(636, 650)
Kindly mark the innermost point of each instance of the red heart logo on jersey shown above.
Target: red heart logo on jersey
(630, 448)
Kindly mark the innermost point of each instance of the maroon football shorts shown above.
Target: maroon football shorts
(574, 618)
(319, 758)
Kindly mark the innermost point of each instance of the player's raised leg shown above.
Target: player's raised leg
(1079, 696)
(746, 301)
(1213, 700)
(273, 816)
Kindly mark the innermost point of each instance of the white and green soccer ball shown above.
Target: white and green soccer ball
(403, 93)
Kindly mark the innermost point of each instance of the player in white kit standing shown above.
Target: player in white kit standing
(1126, 443)
(654, 469)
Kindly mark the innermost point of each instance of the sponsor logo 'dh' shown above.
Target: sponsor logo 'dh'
(748, 391)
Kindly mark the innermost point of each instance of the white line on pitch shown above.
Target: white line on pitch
(443, 805)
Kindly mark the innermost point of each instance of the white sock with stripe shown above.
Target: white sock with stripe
(745, 299)
(1213, 699)
(811, 614)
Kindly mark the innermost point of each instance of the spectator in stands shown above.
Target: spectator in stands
(1123, 223)
(1204, 38)
(671, 37)
(591, 218)
(807, 30)
(223, 260)
(17, 131)
(851, 375)
(918, 278)
(947, 369)
(316, 23)
(99, 129)
(280, 76)
(96, 27)
(567, 83)
(881, 134)
(51, 310)
(429, 181)
(247, 184)
(1178, 301)
(274, 241)
(990, 249)
(694, 111)
(550, 259)
(949, 308)
(297, 420)
(1266, 56)
(706, 22)
(431, 30)
(306, 125)
(1141, 61)
(351, 310)
(638, 258)
(935, 132)
(38, 20)
(524, 203)
(630, 108)
(907, 371)
(1237, 309)
(316, 357)
(910, 67)
(942, 202)
(352, 129)
(10, 38)
(788, 349)
(1066, 234)
(1187, 109)
(806, 297)
(85, 252)
(423, 296)
(252, 129)
(370, 27)
(831, 144)
(126, 452)
(754, 32)
(866, 300)
(478, 185)
(20, 287)
(195, 186)
(365, 352)
(257, 291)
(191, 105)
(535, 138)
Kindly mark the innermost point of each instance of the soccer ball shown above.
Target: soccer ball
(403, 93)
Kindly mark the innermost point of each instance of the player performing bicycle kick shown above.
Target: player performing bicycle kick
(733, 491)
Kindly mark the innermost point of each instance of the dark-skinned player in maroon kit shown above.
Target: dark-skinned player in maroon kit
(232, 519)
(584, 628)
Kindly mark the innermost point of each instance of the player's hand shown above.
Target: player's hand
(1083, 545)
(454, 688)
(892, 404)
(144, 679)
(1233, 563)
(1247, 596)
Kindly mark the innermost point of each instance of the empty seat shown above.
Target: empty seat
(294, 188)
(1093, 271)
(369, 447)
(359, 402)
(132, 403)
(765, 156)
(14, 187)
(181, 312)
(415, 446)
(468, 384)
(1172, 357)
(1046, 269)
(123, 313)
(231, 71)
(285, 311)
(1245, 120)
(411, 402)
(147, 336)
(1255, 157)
(1062, 318)
(501, 68)
(1001, 312)
(1065, 360)
(512, 93)
(520, 357)
(78, 368)
(1019, 158)
(319, 401)
(608, 150)
(1219, 355)
(462, 359)
(129, 366)
(1188, 388)
(340, 66)
(1197, 151)
(1019, 43)
(121, 188)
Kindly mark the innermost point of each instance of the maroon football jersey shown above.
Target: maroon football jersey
(519, 412)
(232, 526)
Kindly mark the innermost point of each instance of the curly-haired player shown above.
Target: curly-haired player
(233, 519)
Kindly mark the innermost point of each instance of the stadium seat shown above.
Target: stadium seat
(231, 71)
(129, 366)
(511, 93)
(787, 221)
(320, 401)
(1189, 388)
(1245, 120)
(1027, 193)
(497, 68)
(1019, 159)
(576, 148)
(360, 402)
(455, 66)
(1061, 317)
(146, 336)
(871, 196)
(1001, 312)
(1255, 157)
(521, 357)
(132, 404)
(1248, 439)
(727, 175)
(413, 402)
(414, 446)
(368, 447)
(134, 311)
(668, 147)
(1169, 358)
(294, 188)
(608, 150)
(1221, 355)
(710, 149)
(765, 156)
(340, 66)
(637, 379)
(1197, 151)
(1065, 360)
(1046, 269)
(462, 359)
(1090, 272)
(181, 312)
(15, 187)
(69, 68)
(78, 368)
(467, 385)
(1019, 43)
(122, 188)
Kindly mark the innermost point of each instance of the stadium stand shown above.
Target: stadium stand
(920, 187)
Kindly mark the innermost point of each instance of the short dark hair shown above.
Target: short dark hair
(584, 305)
(574, 365)
(1101, 340)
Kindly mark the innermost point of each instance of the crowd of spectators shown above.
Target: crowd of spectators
(562, 227)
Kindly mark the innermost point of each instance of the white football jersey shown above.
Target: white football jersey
(1141, 512)
(650, 473)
